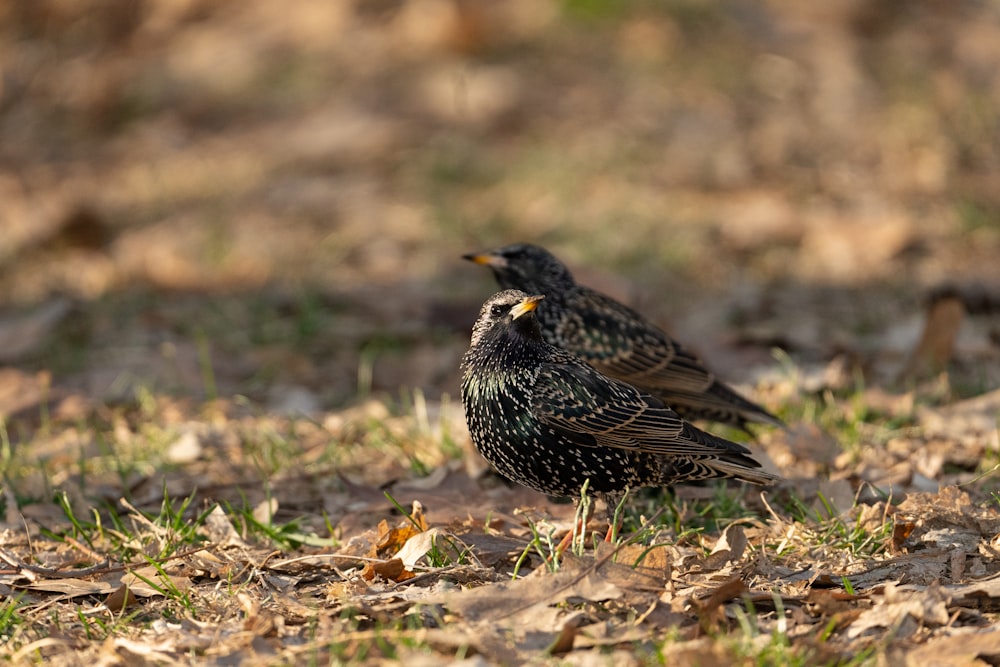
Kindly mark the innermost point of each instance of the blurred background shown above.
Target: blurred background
(219, 197)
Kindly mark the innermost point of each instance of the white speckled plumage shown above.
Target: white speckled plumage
(549, 421)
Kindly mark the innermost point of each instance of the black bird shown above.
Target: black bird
(547, 420)
(617, 340)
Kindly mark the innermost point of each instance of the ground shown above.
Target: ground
(232, 308)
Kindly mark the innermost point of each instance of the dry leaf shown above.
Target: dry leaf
(391, 570)
(728, 549)
(810, 444)
(702, 651)
(219, 529)
(72, 587)
(622, 570)
(564, 640)
(136, 580)
(508, 599)
(708, 608)
(988, 589)
(661, 617)
(829, 602)
(927, 606)
(970, 418)
(966, 648)
(391, 540)
(834, 495)
(264, 512)
(185, 449)
(120, 598)
(418, 545)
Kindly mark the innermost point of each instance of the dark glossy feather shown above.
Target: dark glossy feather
(547, 420)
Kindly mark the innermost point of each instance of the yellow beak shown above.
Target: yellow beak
(526, 306)
(486, 260)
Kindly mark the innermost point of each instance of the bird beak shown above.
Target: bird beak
(526, 306)
(495, 261)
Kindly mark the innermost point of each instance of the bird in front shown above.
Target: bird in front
(545, 419)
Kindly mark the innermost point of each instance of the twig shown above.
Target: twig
(76, 544)
(101, 568)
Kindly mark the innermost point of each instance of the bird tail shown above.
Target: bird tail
(729, 459)
(720, 404)
(741, 472)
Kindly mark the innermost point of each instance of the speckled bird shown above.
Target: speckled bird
(618, 341)
(545, 419)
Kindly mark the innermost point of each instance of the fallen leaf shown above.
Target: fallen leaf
(708, 607)
(121, 598)
(564, 640)
(507, 599)
(219, 529)
(492, 550)
(661, 617)
(808, 443)
(72, 587)
(927, 606)
(702, 651)
(834, 496)
(987, 588)
(966, 648)
(948, 519)
(970, 418)
(729, 548)
(391, 570)
(828, 602)
(391, 540)
(420, 544)
(151, 582)
(264, 512)
(650, 574)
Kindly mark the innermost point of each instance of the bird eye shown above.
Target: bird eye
(497, 310)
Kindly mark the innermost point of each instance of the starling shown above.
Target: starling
(617, 340)
(547, 420)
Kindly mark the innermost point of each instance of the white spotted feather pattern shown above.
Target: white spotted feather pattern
(547, 420)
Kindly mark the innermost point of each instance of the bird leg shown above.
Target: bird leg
(583, 512)
(580, 528)
(569, 537)
(614, 502)
(609, 536)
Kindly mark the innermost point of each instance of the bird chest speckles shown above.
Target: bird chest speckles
(496, 402)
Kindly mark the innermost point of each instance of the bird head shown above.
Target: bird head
(526, 267)
(507, 309)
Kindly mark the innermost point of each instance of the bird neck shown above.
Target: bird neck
(518, 340)
(527, 330)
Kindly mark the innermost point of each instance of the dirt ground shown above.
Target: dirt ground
(232, 307)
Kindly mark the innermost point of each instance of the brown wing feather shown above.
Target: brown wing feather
(578, 401)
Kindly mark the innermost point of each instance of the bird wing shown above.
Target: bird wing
(619, 342)
(594, 410)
